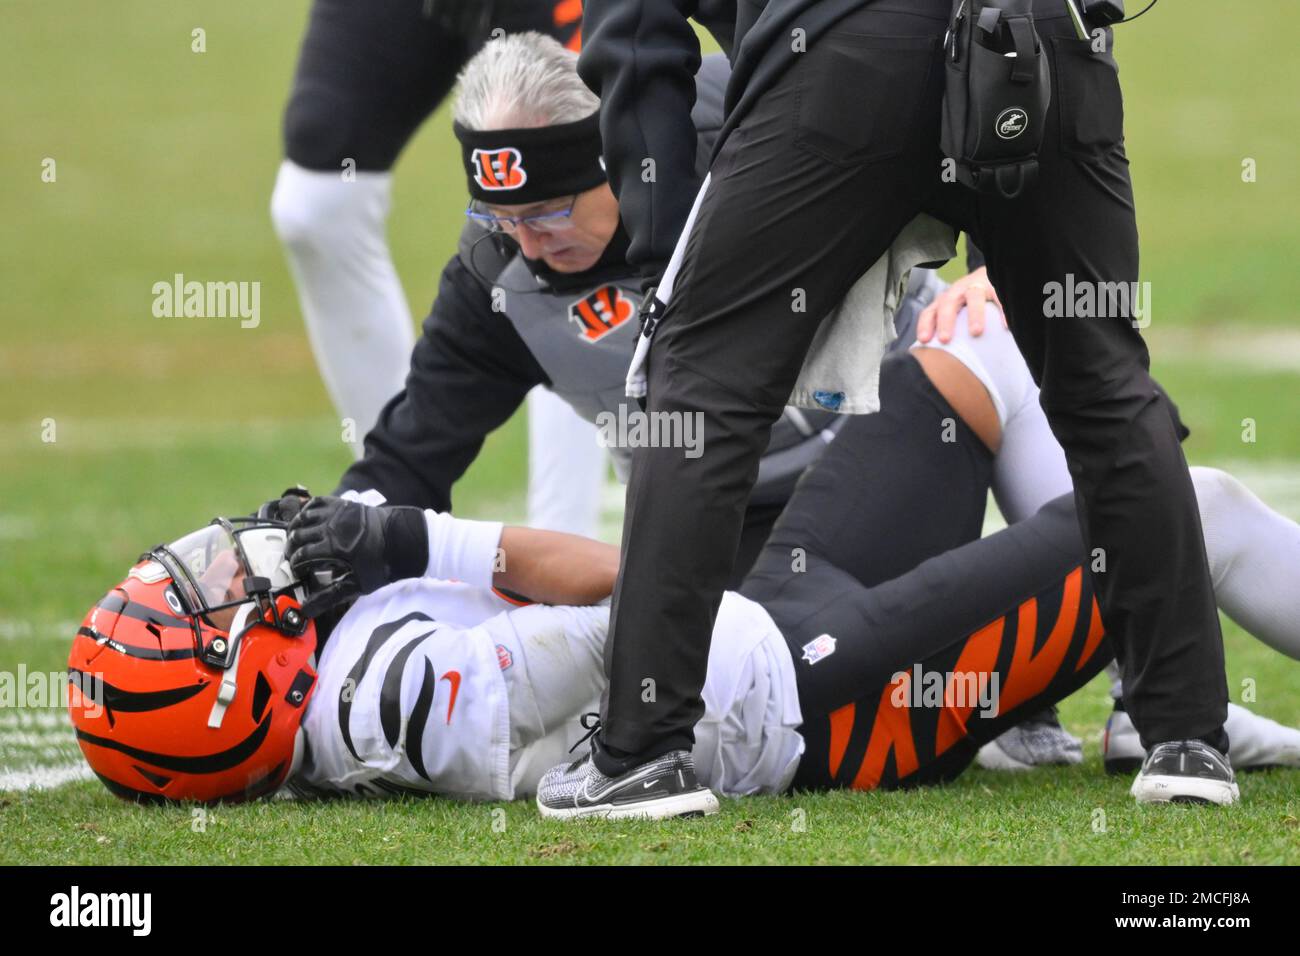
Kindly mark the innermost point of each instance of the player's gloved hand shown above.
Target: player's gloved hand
(284, 508)
(973, 292)
(343, 549)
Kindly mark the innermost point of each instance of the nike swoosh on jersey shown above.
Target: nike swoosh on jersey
(453, 678)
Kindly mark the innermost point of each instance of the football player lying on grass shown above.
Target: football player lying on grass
(878, 642)
(1253, 551)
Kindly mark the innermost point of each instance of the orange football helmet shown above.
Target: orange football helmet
(188, 681)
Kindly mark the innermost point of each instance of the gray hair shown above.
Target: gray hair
(522, 80)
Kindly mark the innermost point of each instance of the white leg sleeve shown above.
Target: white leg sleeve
(1030, 468)
(1254, 557)
(566, 467)
(357, 318)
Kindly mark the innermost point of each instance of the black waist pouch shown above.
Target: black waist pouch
(997, 93)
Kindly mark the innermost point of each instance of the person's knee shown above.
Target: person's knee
(1090, 382)
(1110, 405)
(1217, 495)
(1122, 435)
(701, 431)
(1213, 485)
(316, 211)
(297, 214)
(676, 385)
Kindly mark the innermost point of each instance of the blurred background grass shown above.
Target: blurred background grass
(165, 163)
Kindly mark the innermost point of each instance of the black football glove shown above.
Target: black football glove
(359, 547)
(285, 507)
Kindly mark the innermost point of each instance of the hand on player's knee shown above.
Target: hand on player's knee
(972, 292)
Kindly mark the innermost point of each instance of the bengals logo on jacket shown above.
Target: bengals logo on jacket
(601, 312)
(499, 168)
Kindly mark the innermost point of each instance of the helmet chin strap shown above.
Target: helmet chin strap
(226, 693)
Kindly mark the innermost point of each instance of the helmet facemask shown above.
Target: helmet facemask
(221, 575)
(231, 575)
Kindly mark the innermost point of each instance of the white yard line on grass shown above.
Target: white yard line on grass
(1263, 349)
(38, 750)
(13, 629)
(100, 435)
(49, 719)
(43, 778)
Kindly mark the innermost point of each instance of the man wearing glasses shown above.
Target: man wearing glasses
(540, 291)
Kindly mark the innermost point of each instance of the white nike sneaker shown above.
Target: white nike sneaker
(1039, 741)
(1255, 742)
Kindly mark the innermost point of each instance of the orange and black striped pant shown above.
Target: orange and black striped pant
(914, 640)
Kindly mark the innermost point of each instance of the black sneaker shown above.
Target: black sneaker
(1185, 771)
(663, 787)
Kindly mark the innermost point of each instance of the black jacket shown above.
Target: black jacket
(640, 58)
(469, 372)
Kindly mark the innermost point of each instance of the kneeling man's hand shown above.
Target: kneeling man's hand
(343, 549)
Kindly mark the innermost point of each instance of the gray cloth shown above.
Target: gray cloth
(841, 372)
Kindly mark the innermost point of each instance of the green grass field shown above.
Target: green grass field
(165, 160)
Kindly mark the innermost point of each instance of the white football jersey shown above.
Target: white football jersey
(441, 687)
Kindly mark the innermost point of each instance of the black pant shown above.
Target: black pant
(812, 186)
(878, 555)
(370, 72)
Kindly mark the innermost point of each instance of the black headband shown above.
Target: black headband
(514, 167)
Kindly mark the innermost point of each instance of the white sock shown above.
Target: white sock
(566, 467)
(357, 318)
(1254, 557)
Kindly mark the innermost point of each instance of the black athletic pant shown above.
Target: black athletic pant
(876, 568)
(371, 71)
(813, 186)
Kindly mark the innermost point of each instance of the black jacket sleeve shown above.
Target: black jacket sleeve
(640, 57)
(470, 370)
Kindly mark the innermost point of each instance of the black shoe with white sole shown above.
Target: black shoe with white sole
(1185, 771)
(663, 787)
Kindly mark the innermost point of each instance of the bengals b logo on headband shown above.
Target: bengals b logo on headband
(499, 168)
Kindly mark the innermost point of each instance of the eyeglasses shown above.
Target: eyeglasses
(552, 221)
